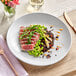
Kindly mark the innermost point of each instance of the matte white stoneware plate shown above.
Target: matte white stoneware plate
(43, 19)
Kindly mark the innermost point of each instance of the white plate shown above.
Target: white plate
(43, 19)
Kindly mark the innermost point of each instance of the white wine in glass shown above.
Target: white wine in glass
(36, 4)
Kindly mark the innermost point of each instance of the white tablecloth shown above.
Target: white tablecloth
(54, 7)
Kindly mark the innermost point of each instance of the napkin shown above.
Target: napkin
(5, 69)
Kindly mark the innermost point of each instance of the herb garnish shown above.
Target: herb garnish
(36, 28)
(29, 31)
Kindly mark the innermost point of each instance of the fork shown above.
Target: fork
(2, 53)
(69, 21)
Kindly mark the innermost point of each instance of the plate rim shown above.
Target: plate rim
(39, 64)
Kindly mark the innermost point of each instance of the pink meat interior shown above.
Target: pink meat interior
(24, 40)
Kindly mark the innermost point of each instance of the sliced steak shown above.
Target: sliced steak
(24, 41)
(26, 47)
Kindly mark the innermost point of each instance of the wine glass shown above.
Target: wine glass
(36, 4)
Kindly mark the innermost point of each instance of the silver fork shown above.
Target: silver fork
(2, 53)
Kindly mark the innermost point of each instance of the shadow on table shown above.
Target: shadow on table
(5, 24)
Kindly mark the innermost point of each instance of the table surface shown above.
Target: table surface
(67, 66)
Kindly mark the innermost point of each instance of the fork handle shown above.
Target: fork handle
(69, 21)
(10, 64)
(70, 25)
